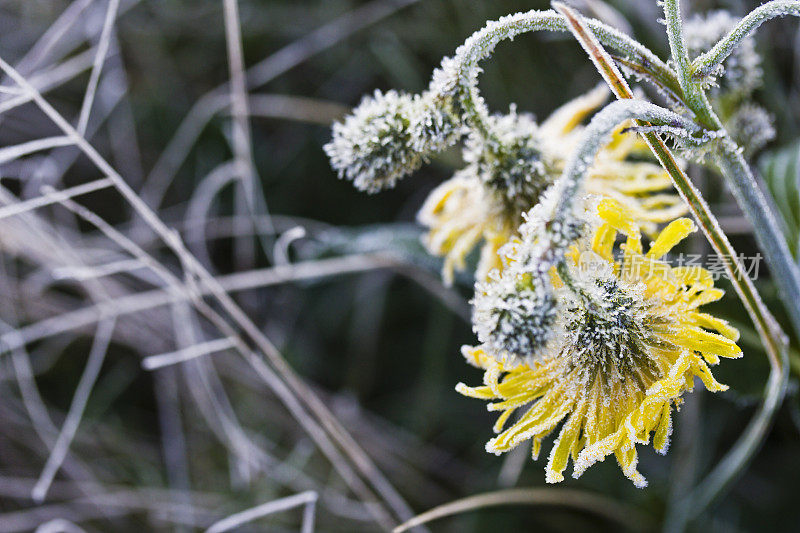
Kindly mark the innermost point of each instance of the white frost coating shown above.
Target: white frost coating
(514, 315)
(742, 72)
(515, 310)
(596, 135)
(512, 160)
(711, 60)
(388, 136)
(751, 127)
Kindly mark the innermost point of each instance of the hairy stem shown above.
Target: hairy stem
(767, 229)
(711, 60)
(694, 96)
(598, 133)
(728, 156)
(483, 42)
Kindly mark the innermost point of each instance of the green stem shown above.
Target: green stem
(694, 96)
(483, 42)
(734, 168)
(767, 229)
(708, 62)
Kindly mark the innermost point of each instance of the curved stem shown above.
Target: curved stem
(483, 42)
(598, 133)
(584, 501)
(708, 62)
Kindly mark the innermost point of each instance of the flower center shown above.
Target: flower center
(609, 334)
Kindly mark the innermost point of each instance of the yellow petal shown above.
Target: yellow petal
(568, 116)
(664, 430)
(564, 445)
(603, 241)
(675, 232)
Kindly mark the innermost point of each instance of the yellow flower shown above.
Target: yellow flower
(485, 200)
(629, 338)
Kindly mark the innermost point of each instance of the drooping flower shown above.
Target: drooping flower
(507, 173)
(626, 340)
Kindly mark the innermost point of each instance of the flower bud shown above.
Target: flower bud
(514, 314)
(388, 136)
(751, 126)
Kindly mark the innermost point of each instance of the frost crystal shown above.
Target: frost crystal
(514, 314)
(742, 72)
(387, 137)
(444, 82)
(605, 325)
(512, 161)
(751, 126)
(545, 237)
(515, 309)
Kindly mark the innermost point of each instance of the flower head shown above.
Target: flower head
(507, 173)
(388, 136)
(514, 315)
(627, 340)
(512, 164)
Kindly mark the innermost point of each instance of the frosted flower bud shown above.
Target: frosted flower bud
(372, 147)
(388, 136)
(434, 126)
(751, 126)
(514, 314)
(741, 74)
(515, 309)
(512, 162)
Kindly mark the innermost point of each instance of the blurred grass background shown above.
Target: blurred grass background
(380, 348)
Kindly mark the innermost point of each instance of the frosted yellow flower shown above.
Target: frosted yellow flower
(628, 340)
(505, 177)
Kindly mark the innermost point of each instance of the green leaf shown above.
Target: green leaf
(781, 171)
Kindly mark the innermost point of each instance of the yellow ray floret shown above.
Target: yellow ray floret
(630, 340)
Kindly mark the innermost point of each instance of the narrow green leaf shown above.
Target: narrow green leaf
(781, 171)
